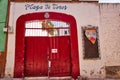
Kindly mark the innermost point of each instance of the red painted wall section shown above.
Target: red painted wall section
(74, 49)
(19, 49)
(20, 36)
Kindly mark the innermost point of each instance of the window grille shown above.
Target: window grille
(47, 28)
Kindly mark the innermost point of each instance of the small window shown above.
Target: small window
(65, 32)
(90, 42)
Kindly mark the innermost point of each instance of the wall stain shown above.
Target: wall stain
(84, 71)
(112, 71)
(91, 72)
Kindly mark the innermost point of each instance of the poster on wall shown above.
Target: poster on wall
(91, 35)
(90, 42)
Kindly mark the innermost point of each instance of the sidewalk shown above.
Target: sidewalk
(56, 79)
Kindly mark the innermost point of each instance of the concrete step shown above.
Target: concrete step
(39, 78)
(56, 78)
(48, 78)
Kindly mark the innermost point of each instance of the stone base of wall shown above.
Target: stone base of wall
(112, 71)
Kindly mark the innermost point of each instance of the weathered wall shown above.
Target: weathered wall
(3, 14)
(89, 15)
(110, 38)
(84, 13)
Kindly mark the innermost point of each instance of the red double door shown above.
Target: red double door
(47, 56)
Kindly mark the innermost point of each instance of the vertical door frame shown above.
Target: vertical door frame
(20, 38)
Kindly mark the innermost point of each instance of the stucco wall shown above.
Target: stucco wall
(3, 14)
(3, 4)
(85, 14)
(110, 37)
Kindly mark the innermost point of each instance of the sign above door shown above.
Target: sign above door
(37, 7)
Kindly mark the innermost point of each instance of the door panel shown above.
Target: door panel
(60, 61)
(36, 56)
(36, 52)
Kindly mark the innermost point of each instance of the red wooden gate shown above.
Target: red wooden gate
(49, 51)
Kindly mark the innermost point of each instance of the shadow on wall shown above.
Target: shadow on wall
(2, 64)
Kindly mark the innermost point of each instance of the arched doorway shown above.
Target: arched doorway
(46, 45)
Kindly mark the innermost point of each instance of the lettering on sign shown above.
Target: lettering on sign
(38, 7)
